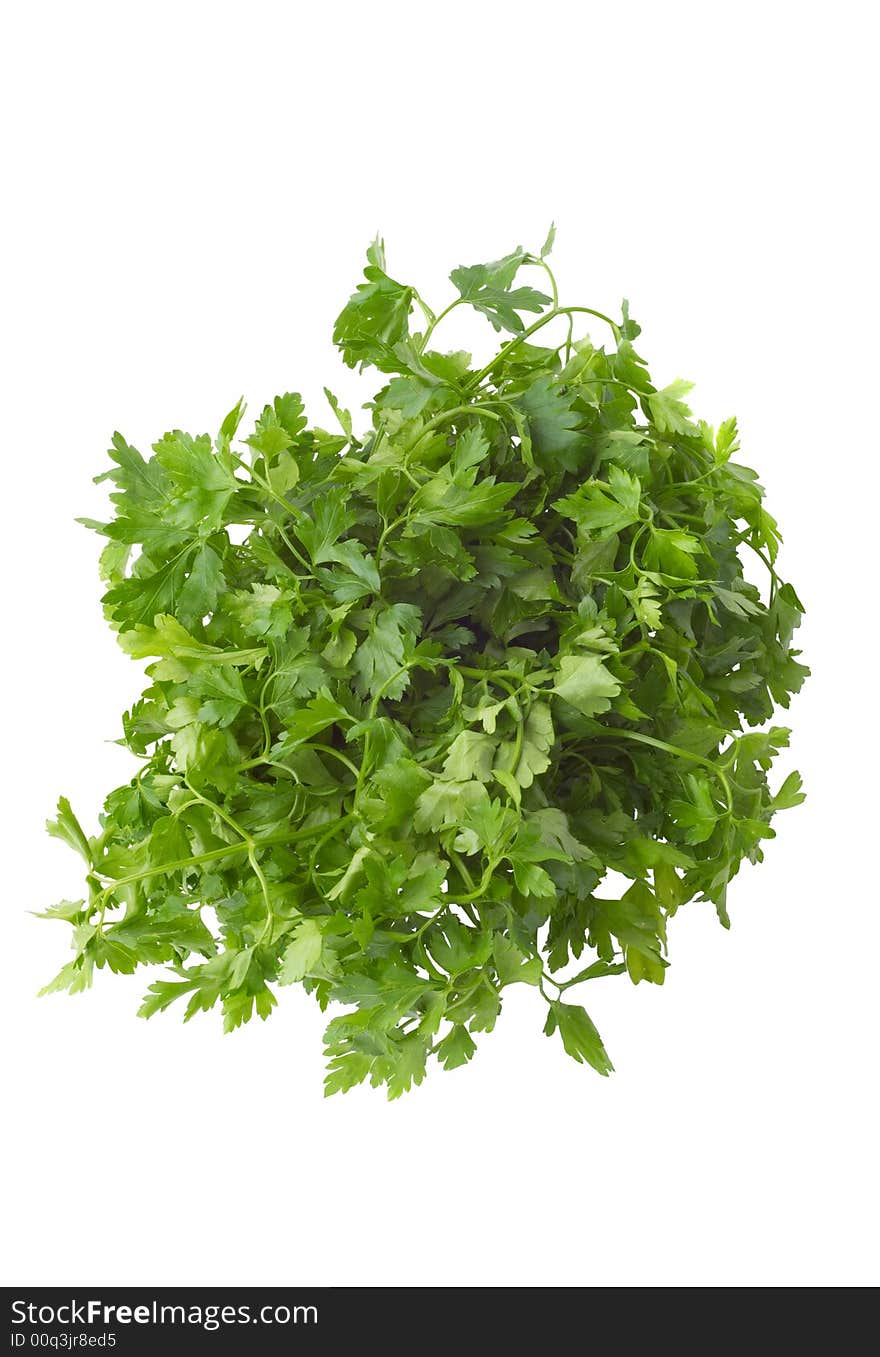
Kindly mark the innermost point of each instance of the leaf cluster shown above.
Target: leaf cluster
(479, 697)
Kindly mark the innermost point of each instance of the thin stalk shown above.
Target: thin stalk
(682, 754)
(542, 264)
(531, 329)
(211, 855)
(435, 321)
(288, 508)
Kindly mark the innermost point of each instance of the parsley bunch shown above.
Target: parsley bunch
(413, 694)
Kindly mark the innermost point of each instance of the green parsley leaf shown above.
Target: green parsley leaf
(586, 684)
(579, 1035)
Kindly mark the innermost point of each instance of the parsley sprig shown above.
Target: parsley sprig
(414, 694)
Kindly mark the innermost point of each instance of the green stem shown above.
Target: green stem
(219, 811)
(260, 761)
(426, 310)
(545, 996)
(491, 674)
(335, 753)
(774, 578)
(582, 976)
(463, 870)
(362, 771)
(432, 919)
(377, 441)
(325, 838)
(423, 960)
(433, 323)
(414, 482)
(248, 842)
(545, 976)
(264, 720)
(682, 754)
(696, 480)
(542, 264)
(373, 708)
(531, 329)
(478, 408)
(480, 890)
(212, 855)
(264, 887)
(404, 668)
(263, 760)
(385, 533)
(636, 537)
(285, 505)
(517, 746)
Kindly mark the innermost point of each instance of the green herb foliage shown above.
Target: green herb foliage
(413, 695)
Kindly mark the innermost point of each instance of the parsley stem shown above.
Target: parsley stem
(425, 961)
(435, 321)
(480, 890)
(211, 855)
(463, 870)
(374, 705)
(336, 754)
(682, 754)
(568, 340)
(479, 408)
(697, 480)
(425, 309)
(249, 843)
(542, 264)
(637, 535)
(373, 709)
(498, 677)
(218, 810)
(431, 919)
(531, 329)
(325, 838)
(774, 578)
(383, 536)
(285, 505)
(264, 887)
(517, 747)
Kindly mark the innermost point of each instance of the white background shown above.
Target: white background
(188, 190)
